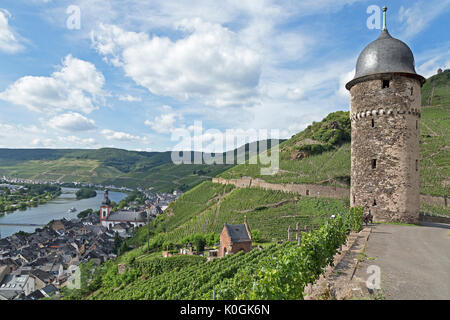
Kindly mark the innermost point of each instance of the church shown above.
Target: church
(109, 219)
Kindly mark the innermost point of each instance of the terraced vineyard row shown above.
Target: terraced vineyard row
(194, 281)
(278, 271)
(256, 205)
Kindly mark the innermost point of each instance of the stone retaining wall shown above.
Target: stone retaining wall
(435, 219)
(433, 200)
(312, 190)
(302, 189)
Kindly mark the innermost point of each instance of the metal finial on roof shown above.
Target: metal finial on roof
(384, 55)
(384, 17)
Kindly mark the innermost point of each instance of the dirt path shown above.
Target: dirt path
(267, 206)
(414, 260)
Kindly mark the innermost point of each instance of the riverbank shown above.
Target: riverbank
(21, 196)
(54, 209)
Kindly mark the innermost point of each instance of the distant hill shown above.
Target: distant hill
(108, 166)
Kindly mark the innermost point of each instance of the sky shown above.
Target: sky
(164, 75)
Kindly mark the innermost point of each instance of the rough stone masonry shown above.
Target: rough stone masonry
(384, 111)
(385, 148)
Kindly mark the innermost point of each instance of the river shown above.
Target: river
(54, 209)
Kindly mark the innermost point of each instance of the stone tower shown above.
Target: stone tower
(385, 111)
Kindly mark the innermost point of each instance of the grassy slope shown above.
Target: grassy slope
(440, 95)
(333, 166)
(105, 166)
(206, 207)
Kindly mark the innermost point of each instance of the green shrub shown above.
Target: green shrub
(285, 274)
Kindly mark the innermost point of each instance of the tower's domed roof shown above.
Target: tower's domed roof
(384, 55)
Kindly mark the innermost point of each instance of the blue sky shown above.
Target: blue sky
(135, 73)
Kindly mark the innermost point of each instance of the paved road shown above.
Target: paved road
(414, 260)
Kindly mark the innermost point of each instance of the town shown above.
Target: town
(75, 184)
(35, 266)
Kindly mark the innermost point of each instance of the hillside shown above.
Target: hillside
(110, 166)
(318, 155)
(321, 153)
(104, 166)
(205, 208)
(201, 212)
(436, 91)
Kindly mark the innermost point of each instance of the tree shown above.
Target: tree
(256, 235)
(84, 214)
(117, 242)
(199, 243)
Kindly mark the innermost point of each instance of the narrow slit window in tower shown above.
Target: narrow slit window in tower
(417, 124)
(354, 199)
(374, 163)
(412, 90)
(374, 202)
(385, 84)
(417, 165)
(373, 123)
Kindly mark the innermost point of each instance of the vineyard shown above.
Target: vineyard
(435, 151)
(206, 208)
(333, 167)
(276, 272)
(319, 155)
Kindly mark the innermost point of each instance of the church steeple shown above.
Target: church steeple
(106, 200)
(105, 208)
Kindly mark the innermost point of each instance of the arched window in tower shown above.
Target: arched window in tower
(307, 192)
(374, 163)
(385, 84)
(374, 203)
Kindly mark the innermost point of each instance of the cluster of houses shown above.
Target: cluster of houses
(37, 265)
(57, 182)
(161, 199)
(44, 257)
(6, 179)
(13, 188)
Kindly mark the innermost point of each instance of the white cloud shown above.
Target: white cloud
(71, 121)
(430, 60)
(71, 140)
(129, 98)
(417, 17)
(122, 136)
(210, 63)
(163, 123)
(18, 135)
(343, 79)
(77, 85)
(9, 40)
